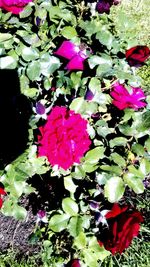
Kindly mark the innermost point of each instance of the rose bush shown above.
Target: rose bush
(88, 134)
(123, 226)
(14, 6)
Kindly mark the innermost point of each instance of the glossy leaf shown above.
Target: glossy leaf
(114, 189)
(58, 222)
(70, 206)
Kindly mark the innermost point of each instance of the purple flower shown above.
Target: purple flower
(40, 110)
(94, 205)
(76, 54)
(89, 95)
(103, 6)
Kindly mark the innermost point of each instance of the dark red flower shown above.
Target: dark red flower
(103, 6)
(2, 192)
(123, 226)
(74, 263)
(136, 56)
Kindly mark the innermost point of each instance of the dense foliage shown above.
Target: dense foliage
(88, 132)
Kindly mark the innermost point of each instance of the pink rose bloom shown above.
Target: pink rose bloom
(14, 6)
(74, 53)
(123, 99)
(64, 138)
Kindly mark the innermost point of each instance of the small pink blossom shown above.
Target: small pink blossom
(123, 99)
(74, 53)
(64, 138)
(41, 216)
(14, 6)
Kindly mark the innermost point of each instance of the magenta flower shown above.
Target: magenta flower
(76, 54)
(14, 6)
(64, 138)
(41, 216)
(123, 99)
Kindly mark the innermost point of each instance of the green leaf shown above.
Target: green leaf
(137, 172)
(103, 60)
(105, 37)
(80, 241)
(59, 222)
(145, 166)
(69, 32)
(103, 129)
(49, 64)
(145, 121)
(78, 105)
(113, 169)
(118, 141)
(94, 155)
(5, 37)
(70, 206)
(147, 145)
(134, 183)
(69, 184)
(114, 189)
(103, 177)
(138, 149)
(19, 213)
(76, 79)
(75, 226)
(27, 10)
(119, 160)
(29, 54)
(87, 167)
(34, 70)
(95, 85)
(8, 62)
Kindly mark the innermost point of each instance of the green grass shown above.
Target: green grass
(132, 22)
(137, 14)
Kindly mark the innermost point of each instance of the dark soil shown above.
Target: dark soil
(15, 234)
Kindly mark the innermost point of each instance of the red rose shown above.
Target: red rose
(2, 192)
(64, 138)
(123, 226)
(73, 263)
(14, 6)
(136, 56)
